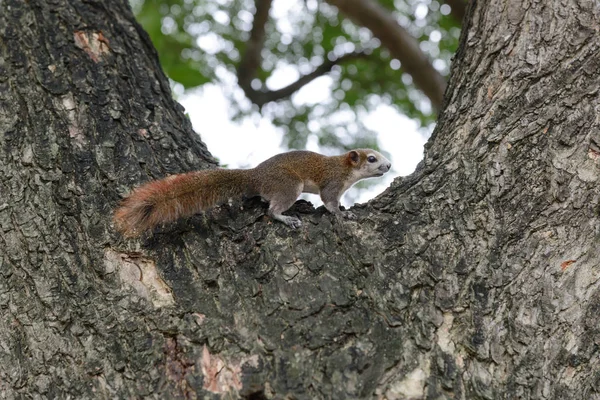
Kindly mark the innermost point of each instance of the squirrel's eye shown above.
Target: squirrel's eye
(371, 159)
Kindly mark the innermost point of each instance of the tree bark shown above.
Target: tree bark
(477, 277)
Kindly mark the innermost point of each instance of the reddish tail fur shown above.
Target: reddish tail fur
(178, 196)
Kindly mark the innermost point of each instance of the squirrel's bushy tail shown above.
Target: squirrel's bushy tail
(178, 196)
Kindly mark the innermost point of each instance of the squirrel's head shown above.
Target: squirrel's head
(367, 163)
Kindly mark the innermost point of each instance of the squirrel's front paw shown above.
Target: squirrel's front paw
(292, 222)
(350, 215)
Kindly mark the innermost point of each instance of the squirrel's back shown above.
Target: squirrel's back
(307, 165)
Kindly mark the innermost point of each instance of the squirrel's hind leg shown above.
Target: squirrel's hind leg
(282, 201)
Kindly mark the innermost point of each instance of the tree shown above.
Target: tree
(376, 52)
(475, 277)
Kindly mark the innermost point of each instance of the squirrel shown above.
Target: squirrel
(279, 180)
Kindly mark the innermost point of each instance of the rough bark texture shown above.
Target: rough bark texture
(475, 278)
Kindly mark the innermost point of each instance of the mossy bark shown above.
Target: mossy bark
(477, 277)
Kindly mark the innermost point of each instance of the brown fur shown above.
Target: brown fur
(280, 180)
(177, 196)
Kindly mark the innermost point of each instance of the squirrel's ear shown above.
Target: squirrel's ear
(353, 157)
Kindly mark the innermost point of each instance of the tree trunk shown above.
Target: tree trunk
(477, 277)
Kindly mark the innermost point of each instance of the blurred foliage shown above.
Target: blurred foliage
(201, 41)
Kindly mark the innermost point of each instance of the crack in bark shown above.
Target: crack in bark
(178, 368)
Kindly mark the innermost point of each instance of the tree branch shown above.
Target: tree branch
(319, 71)
(399, 42)
(252, 58)
(262, 97)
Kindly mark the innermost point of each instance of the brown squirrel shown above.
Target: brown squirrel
(279, 180)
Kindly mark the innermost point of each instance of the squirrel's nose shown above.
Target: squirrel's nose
(385, 167)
